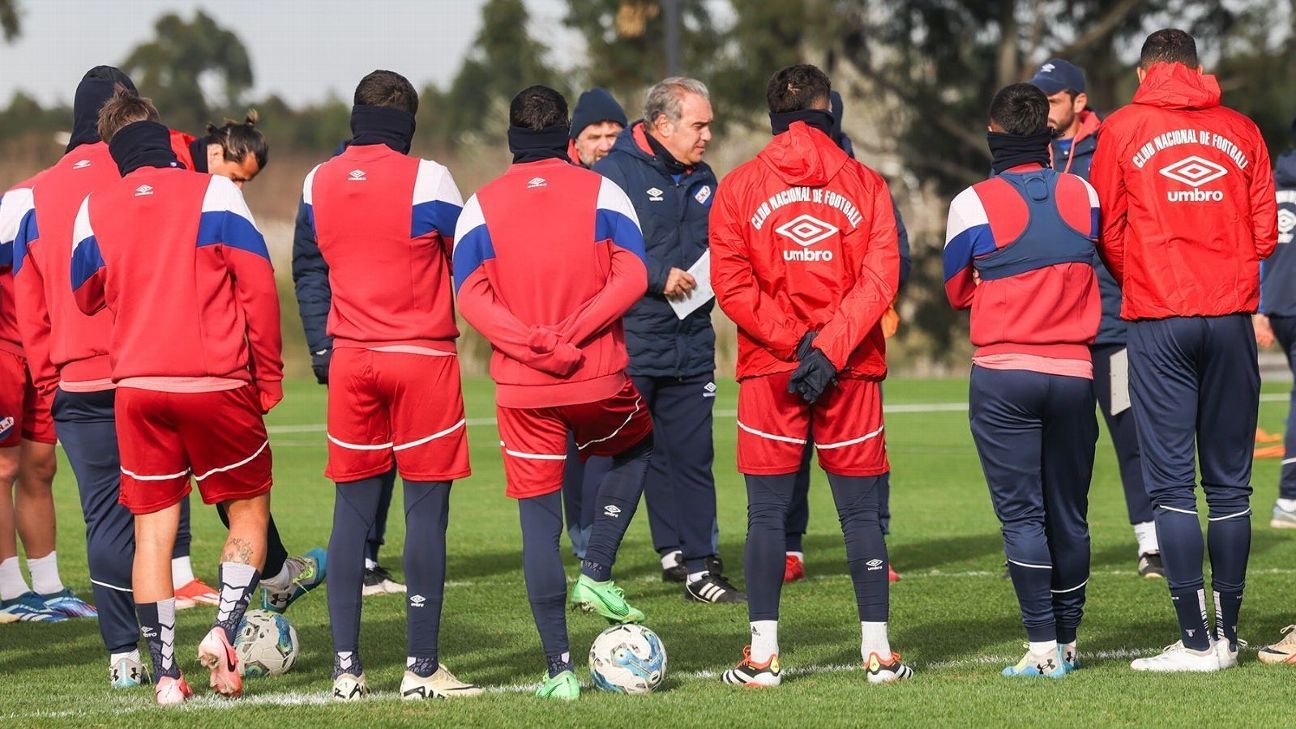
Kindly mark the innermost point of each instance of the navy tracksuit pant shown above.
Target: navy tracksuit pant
(1035, 434)
(680, 488)
(798, 518)
(1284, 328)
(85, 424)
(1124, 435)
(1195, 386)
(580, 494)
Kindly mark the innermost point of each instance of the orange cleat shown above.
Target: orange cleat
(892, 575)
(793, 568)
(1263, 436)
(218, 656)
(196, 592)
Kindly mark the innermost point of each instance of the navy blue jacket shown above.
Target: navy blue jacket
(673, 215)
(843, 140)
(311, 283)
(1278, 272)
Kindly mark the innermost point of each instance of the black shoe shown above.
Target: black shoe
(713, 588)
(715, 565)
(1150, 566)
(378, 581)
(1007, 573)
(678, 573)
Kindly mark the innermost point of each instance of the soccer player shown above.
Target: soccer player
(547, 258)
(1189, 211)
(658, 162)
(1019, 252)
(384, 222)
(236, 150)
(168, 250)
(1075, 129)
(804, 260)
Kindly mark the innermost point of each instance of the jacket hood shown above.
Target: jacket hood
(1175, 86)
(1285, 169)
(803, 156)
(1083, 143)
(92, 93)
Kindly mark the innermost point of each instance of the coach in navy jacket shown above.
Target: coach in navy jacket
(1278, 309)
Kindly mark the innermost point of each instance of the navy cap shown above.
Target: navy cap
(594, 106)
(1058, 75)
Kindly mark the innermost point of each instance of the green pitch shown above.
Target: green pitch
(952, 616)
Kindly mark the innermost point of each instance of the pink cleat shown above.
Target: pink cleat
(172, 691)
(218, 656)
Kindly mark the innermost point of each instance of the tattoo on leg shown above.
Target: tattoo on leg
(237, 550)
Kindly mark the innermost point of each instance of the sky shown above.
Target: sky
(301, 49)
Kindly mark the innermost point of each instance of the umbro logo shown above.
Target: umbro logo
(709, 390)
(1286, 224)
(535, 182)
(1194, 172)
(874, 564)
(143, 190)
(356, 176)
(654, 195)
(805, 231)
(612, 510)
(148, 632)
(417, 601)
(1047, 68)
(81, 164)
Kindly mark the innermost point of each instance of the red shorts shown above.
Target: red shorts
(534, 440)
(24, 413)
(385, 405)
(773, 427)
(218, 438)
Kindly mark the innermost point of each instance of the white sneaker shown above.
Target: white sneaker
(440, 685)
(349, 687)
(127, 672)
(1176, 658)
(1227, 658)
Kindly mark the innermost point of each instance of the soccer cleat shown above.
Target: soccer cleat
(1047, 665)
(1150, 566)
(69, 605)
(754, 675)
(128, 673)
(172, 691)
(604, 598)
(713, 589)
(1228, 657)
(350, 687)
(1262, 436)
(440, 685)
(793, 568)
(305, 574)
(1282, 519)
(890, 672)
(715, 565)
(673, 569)
(1070, 657)
(194, 593)
(892, 575)
(1273, 451)
(1284, 651)
(378, 581)
(1177, 658)
(563, 687)
(218, 656)
(29, 608)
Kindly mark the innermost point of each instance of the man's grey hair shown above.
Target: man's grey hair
(667, 98)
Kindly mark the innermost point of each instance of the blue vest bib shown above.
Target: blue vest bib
(1047, 239)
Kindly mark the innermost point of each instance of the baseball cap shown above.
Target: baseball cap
(1058, 75)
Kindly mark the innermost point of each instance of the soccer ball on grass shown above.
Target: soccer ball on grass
(627, 659)
(266, 644)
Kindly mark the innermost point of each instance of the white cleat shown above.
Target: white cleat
(1227, 658)
(349, 687)
(127, 672)
(440, 685)
(1177, 658)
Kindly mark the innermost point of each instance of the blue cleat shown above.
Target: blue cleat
(68, 605)
(127, 672)
(29, 608)
(305, 573)
(1049, 665)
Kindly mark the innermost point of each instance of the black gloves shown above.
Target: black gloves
(320, 364)
(814, 374)
(805, 345)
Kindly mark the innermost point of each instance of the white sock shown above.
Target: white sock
(370, 564)
(279, 581)
(132, 654)
(12, 584)
(44, 574)
(671, 559)
(1287, 504)
(181, 571)
(235, 579)
(873, 639)
(1043, 647)
(798, 555)
(1145, 533)
(166, 622)
(695, 576)
(764, 640)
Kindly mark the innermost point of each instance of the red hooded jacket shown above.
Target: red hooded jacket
(1187, 199)
(804, 238)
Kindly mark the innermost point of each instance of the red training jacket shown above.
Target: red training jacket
(1187, 197)
(804, 238)
(15, 214)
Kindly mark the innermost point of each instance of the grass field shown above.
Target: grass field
(952, 616)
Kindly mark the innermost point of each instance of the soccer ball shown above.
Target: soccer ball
(627, 659)
(266, 644)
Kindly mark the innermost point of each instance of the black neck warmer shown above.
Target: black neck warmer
(530, 145)
(381, 125)
(95, 89)
(198, 150)
(142, 144)
(673, 166)
(1009, 150)
(818, 118)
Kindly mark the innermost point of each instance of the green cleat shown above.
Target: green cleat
(606, 599)
(305, 573)
(563, 687)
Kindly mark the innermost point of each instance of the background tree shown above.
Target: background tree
(187, 61)
(10, 17)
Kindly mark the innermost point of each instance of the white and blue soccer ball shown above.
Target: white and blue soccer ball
(266, 644)
(627, 659)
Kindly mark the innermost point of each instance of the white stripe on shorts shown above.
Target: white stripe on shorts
(432, 437)
(533, 456)
(770, 436)
(851, 442)
(167, 477)
(629, 417)
(233, 466)
(357, 447)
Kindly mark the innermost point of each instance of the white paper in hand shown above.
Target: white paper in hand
(701, 294)
(1120, 396)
